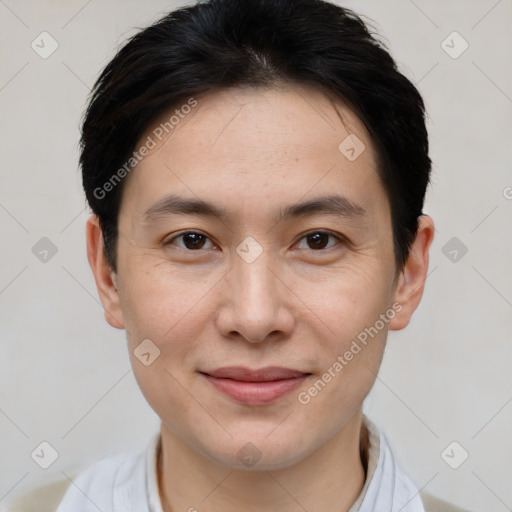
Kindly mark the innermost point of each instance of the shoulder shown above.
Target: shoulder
(118, 478)
(92, 480)
(433, 504)
(44, 498)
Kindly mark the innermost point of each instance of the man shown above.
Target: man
(257, 172)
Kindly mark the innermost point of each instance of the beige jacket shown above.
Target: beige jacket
(47, 497)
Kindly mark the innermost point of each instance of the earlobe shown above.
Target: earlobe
(105, 277)
(411, 281)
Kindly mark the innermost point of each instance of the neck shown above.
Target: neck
(328, 479)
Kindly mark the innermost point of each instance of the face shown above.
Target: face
(286, 261)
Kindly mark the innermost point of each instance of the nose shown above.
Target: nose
(256, 303)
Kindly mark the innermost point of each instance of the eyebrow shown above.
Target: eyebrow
(337, 205)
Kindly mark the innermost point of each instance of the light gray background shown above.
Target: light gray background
(65, 376)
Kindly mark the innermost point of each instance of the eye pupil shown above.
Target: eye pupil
(193, 240)
(318, 240)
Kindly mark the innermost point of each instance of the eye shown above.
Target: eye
(191, 240)
(319, 240)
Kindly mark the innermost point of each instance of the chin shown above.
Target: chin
(258, 452)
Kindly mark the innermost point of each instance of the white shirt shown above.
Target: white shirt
(128, 483)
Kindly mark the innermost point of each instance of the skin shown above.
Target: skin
(253, 152)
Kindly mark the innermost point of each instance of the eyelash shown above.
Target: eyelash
(340, 239)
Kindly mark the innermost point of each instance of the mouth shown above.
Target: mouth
(255, 387)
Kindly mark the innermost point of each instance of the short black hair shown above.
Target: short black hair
(218, 44)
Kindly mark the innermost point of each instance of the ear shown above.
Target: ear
(411, 281)
(105, 277)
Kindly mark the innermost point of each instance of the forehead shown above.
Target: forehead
(241, 143)
(265, 111)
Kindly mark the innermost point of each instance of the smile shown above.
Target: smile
(255, 387)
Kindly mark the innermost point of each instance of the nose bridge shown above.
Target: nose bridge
(256, 301)
(255, 291)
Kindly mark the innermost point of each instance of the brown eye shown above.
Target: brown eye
(319, 240)
(191, 240)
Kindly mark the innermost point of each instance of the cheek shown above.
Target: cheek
(350, 342)
(350, 336)
(345, 301)
(165, 307)
(160, 299)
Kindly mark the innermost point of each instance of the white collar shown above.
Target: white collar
(386, 486)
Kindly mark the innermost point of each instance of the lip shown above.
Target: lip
(255, 387)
